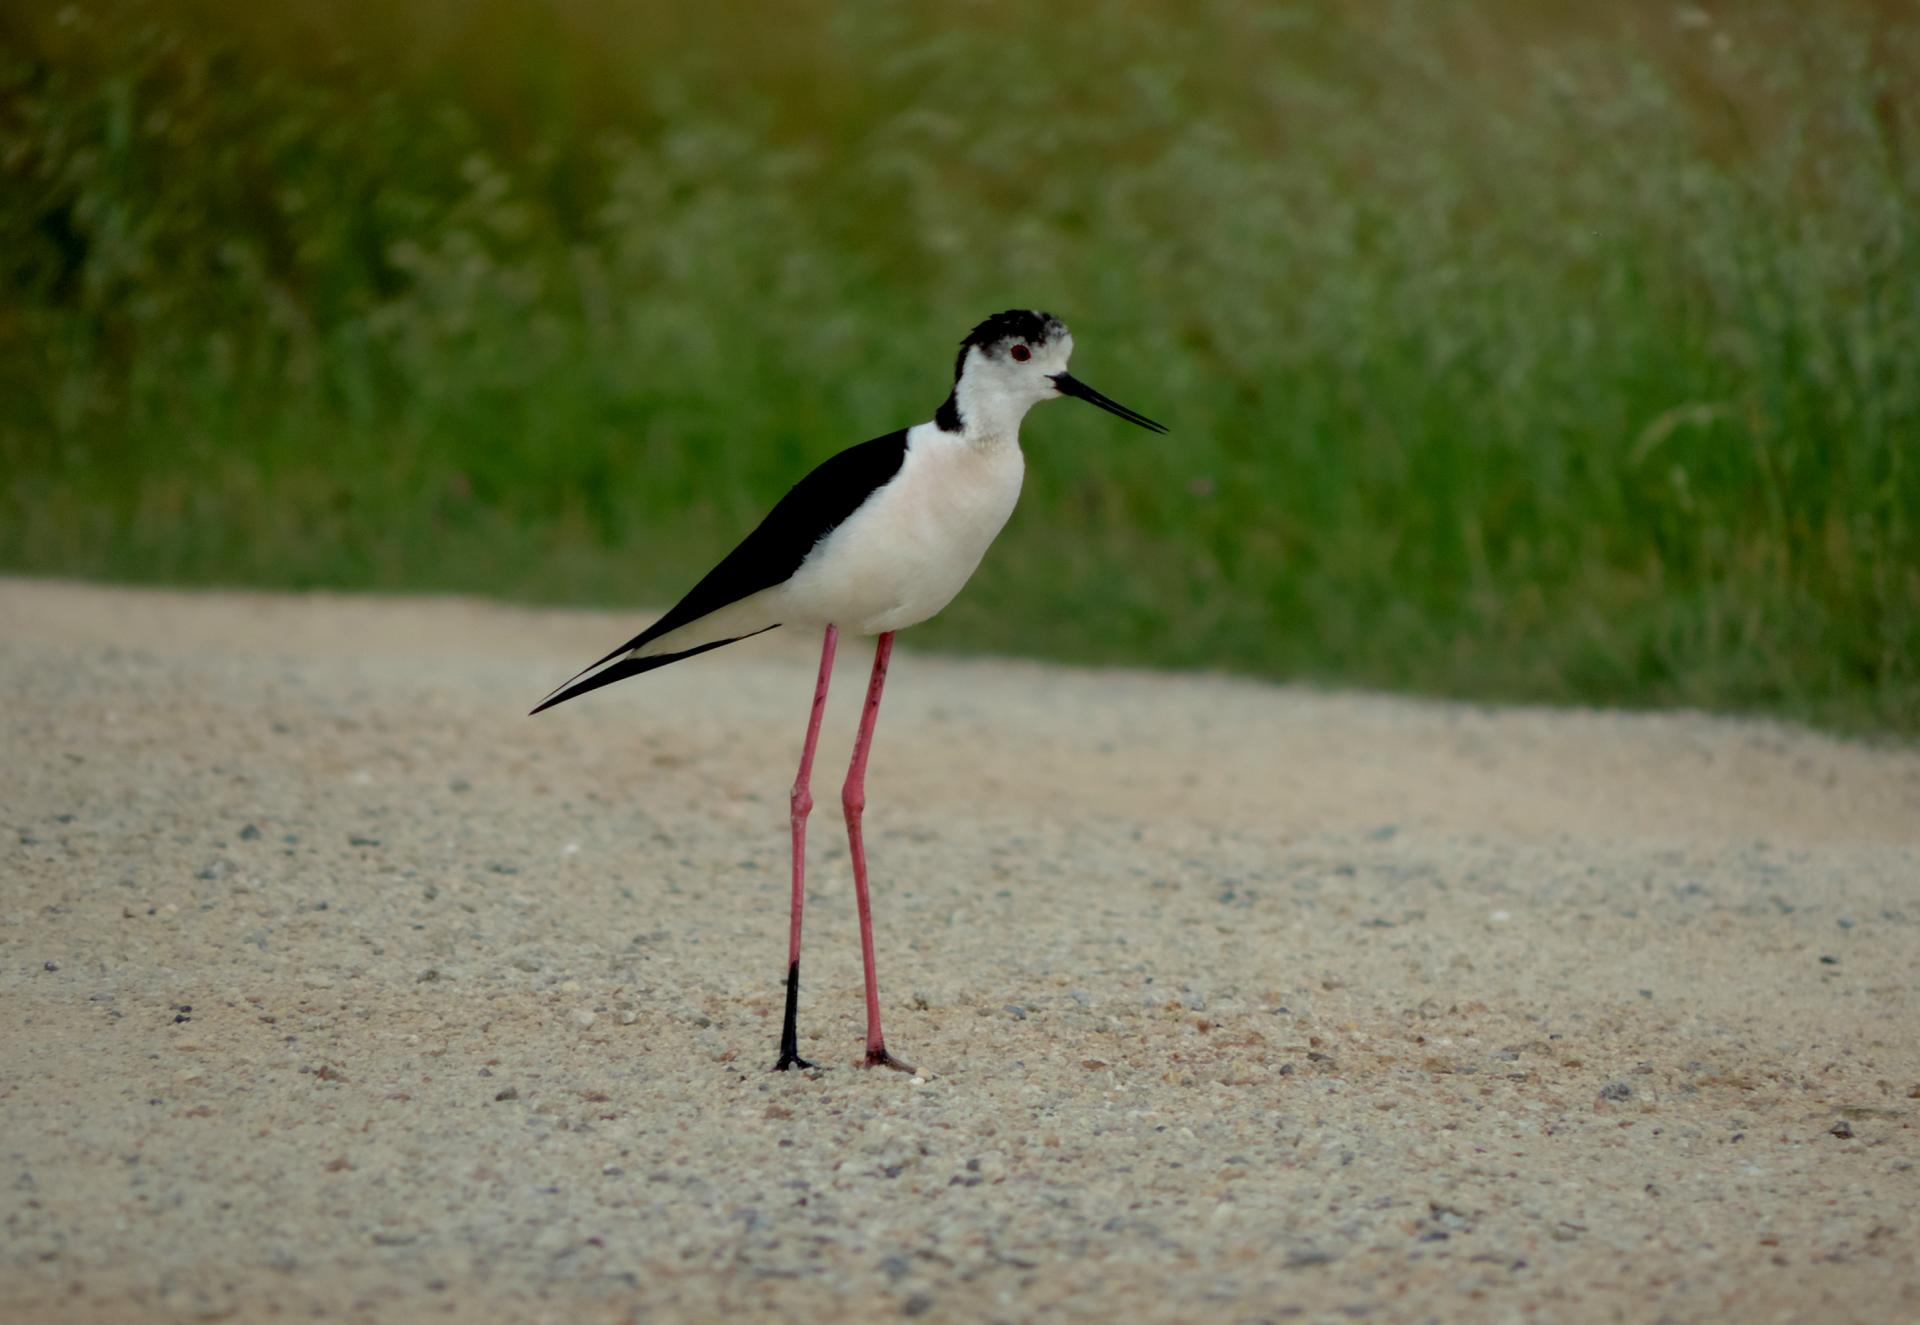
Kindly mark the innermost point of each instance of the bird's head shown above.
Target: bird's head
(1012, 362)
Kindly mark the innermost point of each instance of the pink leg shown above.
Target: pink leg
(801, 805)
(853, 799)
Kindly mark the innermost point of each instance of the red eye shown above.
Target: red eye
(1021, 353)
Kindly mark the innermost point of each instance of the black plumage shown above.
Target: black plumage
(813, 508)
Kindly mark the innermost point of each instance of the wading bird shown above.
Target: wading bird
(878, 538)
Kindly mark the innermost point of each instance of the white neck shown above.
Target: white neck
(990, 414)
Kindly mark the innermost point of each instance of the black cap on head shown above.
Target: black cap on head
(1025, 324)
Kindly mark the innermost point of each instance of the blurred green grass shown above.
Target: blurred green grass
(1519, 351)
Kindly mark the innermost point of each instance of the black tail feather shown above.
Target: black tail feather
(620, 671)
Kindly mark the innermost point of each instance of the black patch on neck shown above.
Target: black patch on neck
(947, 417)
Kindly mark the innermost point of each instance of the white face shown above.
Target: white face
(1015, 373)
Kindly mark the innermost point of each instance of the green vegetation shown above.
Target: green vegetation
(1530, 351)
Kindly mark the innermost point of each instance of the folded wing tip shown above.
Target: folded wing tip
(626, 667)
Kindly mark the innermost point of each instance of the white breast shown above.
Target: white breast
(911, 547)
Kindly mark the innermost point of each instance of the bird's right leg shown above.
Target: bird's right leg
(801, 804)
(853, 799)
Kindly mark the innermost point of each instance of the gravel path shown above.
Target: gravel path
(340, 988)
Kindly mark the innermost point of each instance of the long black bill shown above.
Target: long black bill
(1072, 386)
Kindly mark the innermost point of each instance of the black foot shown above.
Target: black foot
(789, 1025)
(881, 1058)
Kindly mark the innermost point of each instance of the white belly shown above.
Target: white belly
(903, 556)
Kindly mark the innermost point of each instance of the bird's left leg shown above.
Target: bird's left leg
(853, 799)
(801, 805)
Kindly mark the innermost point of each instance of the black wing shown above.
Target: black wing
(813, 508)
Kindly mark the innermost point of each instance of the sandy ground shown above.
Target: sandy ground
(340, 988)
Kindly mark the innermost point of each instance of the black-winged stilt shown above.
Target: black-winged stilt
(878, 538)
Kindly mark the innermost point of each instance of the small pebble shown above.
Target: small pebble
(583, 1018)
